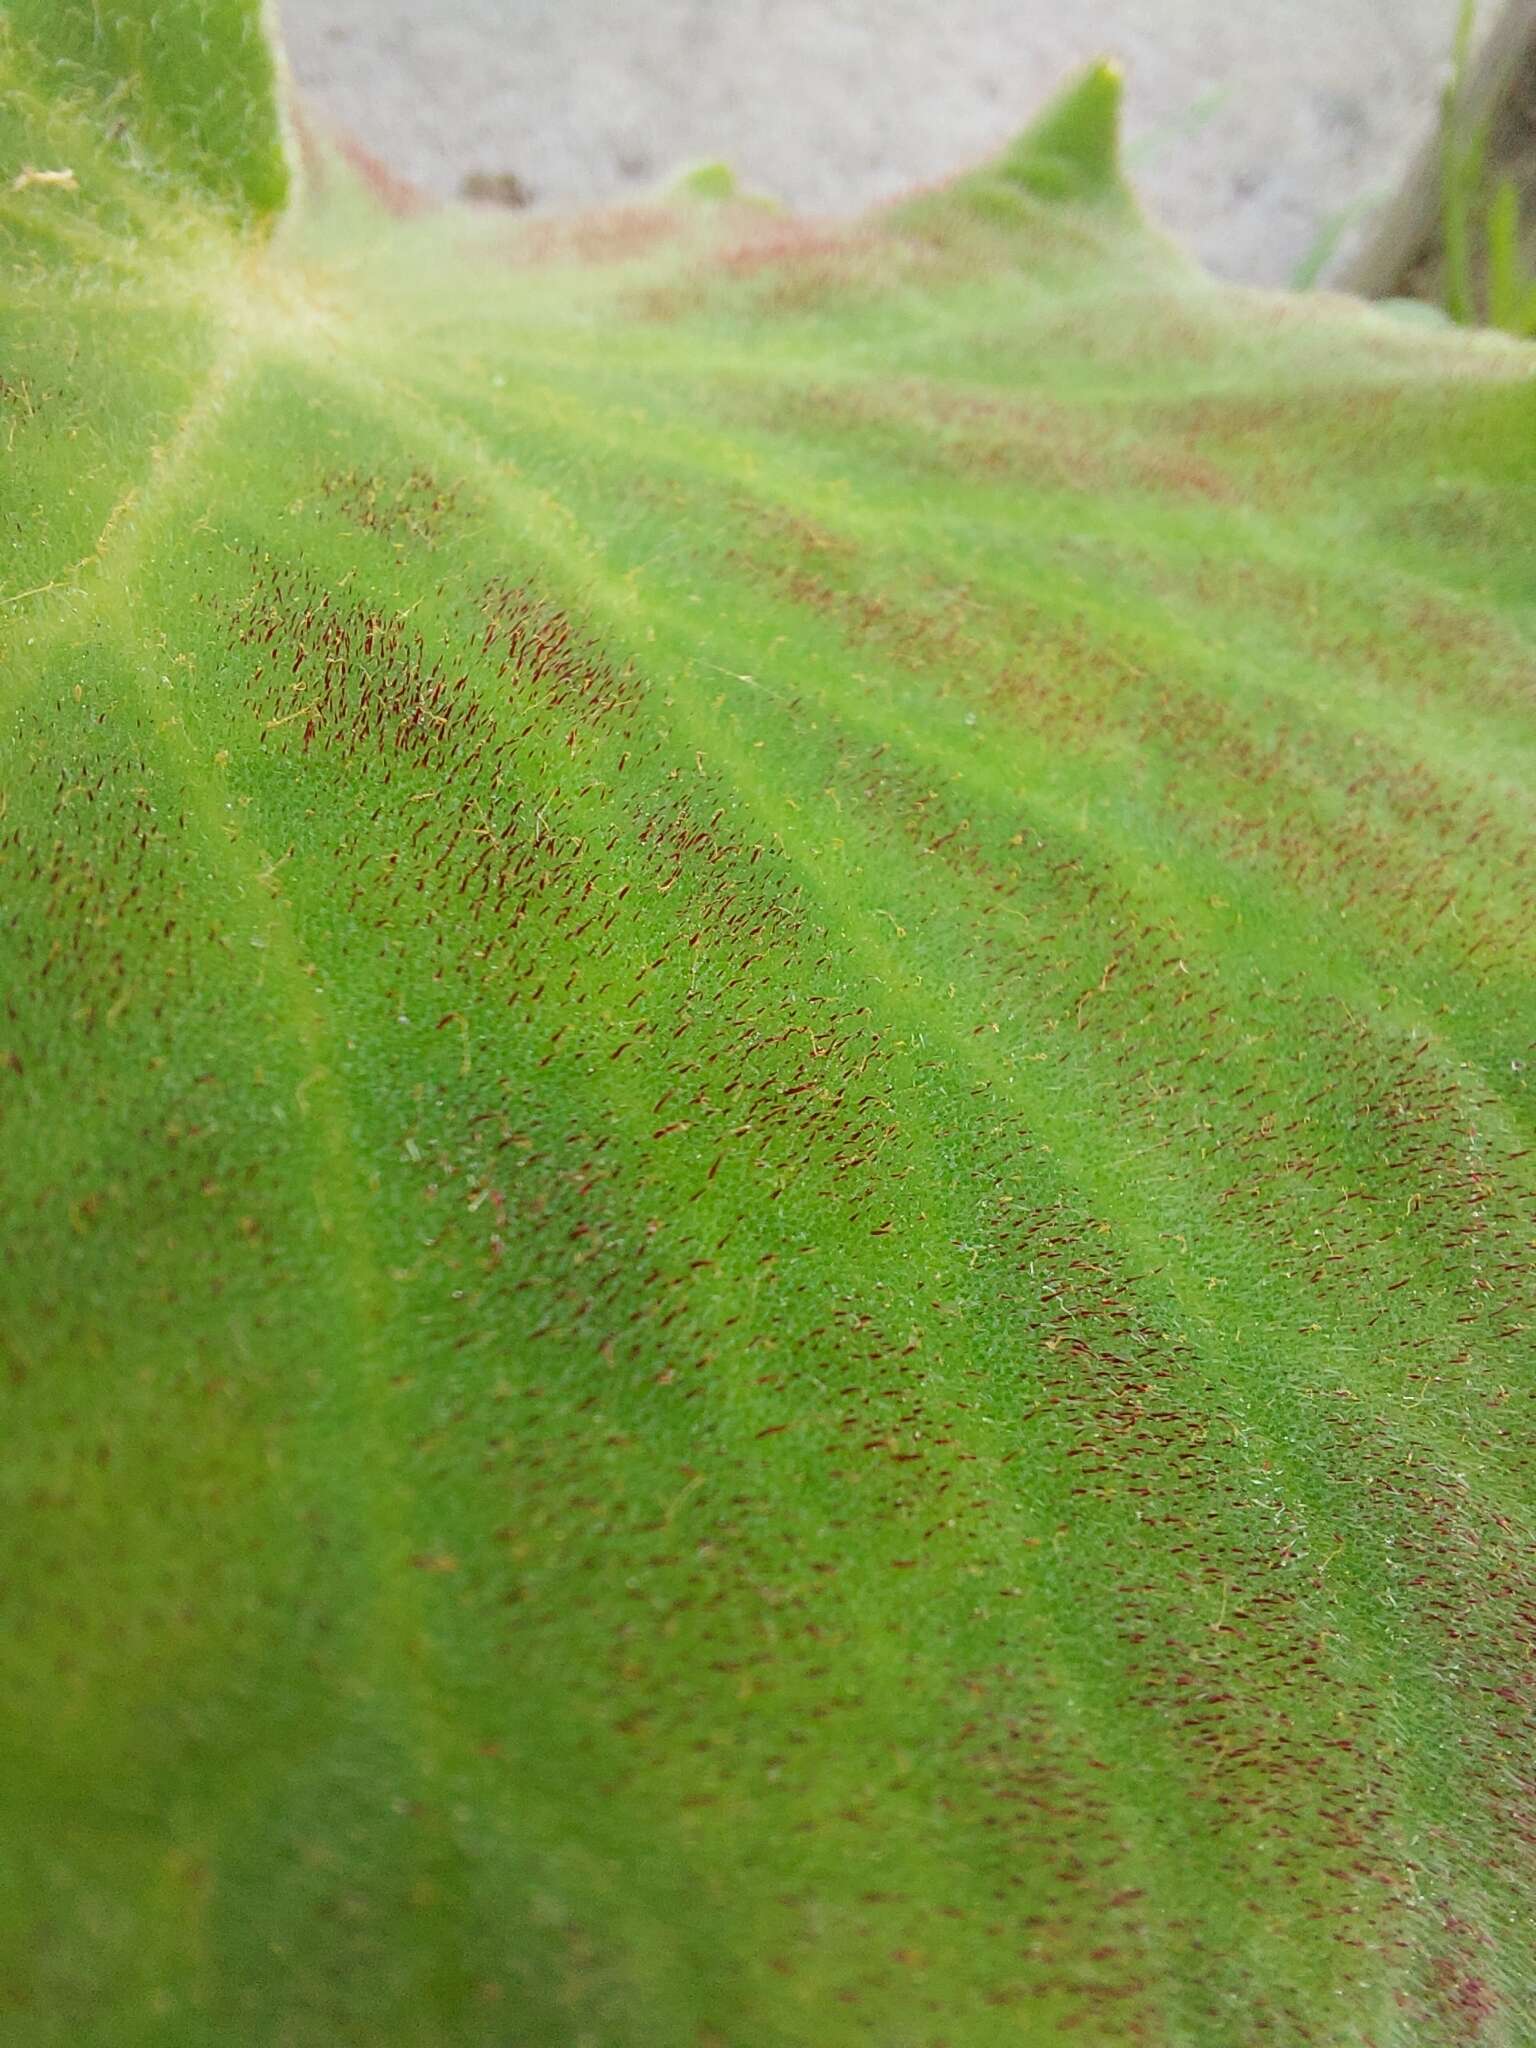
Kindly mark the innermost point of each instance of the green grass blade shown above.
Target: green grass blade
(1507, 287)
(1327, 240)
(1461, 173)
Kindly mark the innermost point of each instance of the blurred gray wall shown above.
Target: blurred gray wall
(1252, 126)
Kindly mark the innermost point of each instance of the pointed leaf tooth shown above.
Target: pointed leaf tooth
(1071, 150)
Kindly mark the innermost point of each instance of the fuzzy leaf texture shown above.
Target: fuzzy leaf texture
(765, 1035)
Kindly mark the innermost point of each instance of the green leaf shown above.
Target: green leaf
(190, 81)
(764, 1115)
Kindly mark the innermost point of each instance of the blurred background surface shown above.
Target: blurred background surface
(1263, 132)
